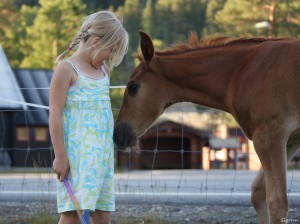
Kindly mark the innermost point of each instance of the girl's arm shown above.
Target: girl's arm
(59, 86)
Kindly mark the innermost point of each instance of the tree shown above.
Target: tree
(175, 18)
(211, 27)
(131, 13)
(94, 5)
(149, 18)
(193, 12)
(20, 3)
(54, 27)
(8, 14)
(238, 18)
(15, 37)
(286, 16)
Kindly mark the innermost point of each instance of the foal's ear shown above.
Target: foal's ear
(146, 46)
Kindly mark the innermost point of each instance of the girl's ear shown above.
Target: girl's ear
(146, 46)
(94, 41)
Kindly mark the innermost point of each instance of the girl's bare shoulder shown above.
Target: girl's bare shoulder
(64, 72)
(63, 67)
(64, 75)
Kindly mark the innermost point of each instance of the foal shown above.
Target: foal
(256, 80)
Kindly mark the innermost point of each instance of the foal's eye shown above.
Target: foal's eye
(133, 88)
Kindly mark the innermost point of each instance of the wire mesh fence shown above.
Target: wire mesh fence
(168, 177)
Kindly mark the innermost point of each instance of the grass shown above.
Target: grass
(42, 217)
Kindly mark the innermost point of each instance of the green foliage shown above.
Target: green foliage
(175, 18)
(238, 18)
(211, 26)
(54, 27)
(131, 13)
(94, 5)
(149, 17)
(15, 37)
(287, 20)
(8, 14)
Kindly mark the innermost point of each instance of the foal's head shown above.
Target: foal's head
(144, 97)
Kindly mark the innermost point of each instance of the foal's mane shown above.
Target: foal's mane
(194, 42)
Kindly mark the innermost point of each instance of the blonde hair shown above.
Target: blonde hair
(109, 29)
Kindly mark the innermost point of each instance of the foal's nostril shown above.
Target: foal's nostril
(117, 137)
(124, 136)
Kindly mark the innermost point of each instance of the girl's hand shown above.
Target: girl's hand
(61, 167)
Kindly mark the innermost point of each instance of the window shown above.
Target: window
(22, 134)
(40, 134)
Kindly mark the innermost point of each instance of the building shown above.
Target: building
(9, 93)
(32, 129)
(24, 133)
(167, 145)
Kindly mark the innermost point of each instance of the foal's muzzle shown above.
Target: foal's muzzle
(124, 136)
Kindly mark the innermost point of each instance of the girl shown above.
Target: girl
(81, 121)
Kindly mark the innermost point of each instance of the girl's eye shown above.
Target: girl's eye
(133, 89)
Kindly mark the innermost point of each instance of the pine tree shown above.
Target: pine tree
(131, 13)
(149, 19)
(238, 18)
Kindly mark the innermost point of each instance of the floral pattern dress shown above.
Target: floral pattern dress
(88, 130)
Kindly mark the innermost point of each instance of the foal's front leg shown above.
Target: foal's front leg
(270, 145)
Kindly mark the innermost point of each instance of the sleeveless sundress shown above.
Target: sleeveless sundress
(88, 132)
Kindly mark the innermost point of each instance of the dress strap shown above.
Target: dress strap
(74, 66)
(103, 70)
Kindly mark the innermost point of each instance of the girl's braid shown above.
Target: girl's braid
(84, 35)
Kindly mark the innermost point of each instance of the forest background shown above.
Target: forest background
(34, 32)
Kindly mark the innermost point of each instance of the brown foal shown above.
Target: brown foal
(256, 80)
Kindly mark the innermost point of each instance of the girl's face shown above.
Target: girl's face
(95, 46)
(105, 53)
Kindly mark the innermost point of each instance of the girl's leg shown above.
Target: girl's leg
(69, 218)
(100, 217)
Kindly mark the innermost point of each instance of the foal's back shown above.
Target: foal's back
(268, 86)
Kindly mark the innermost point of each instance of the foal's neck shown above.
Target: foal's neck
(204, 76)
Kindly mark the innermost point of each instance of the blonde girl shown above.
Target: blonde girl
(81, 121)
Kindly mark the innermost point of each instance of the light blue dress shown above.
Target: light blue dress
(88, 130)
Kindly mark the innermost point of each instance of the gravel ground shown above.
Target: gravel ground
(191, 214)
(141, 213)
